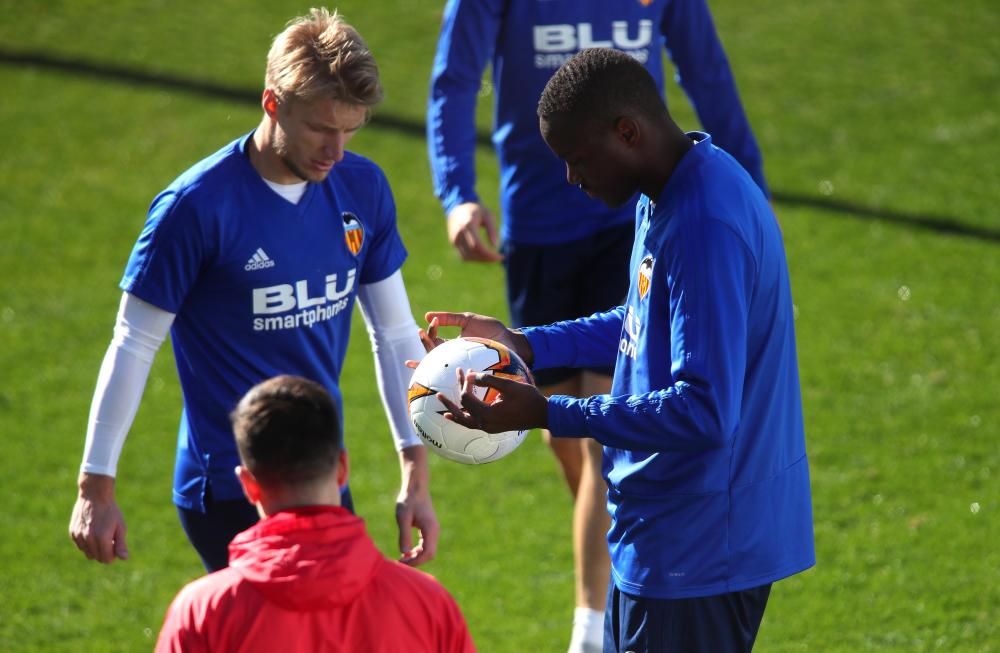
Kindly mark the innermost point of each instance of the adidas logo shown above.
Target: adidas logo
(259, 261)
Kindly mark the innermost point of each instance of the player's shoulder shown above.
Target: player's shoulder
(397, 575)
(213, 171)
(357, 168)
(206, 184)
(204, 180)
(362, 188)
(209, 590)
(713, 184)
(712, 191)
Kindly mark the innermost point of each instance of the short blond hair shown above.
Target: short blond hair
(320, 56)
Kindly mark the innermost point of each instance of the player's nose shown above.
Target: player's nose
(334, 148)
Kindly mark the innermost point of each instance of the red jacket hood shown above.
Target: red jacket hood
(307, 558)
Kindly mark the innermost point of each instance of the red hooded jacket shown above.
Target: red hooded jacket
(312, 580)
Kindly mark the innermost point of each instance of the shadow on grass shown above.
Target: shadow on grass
(928, 221)
(414, 128)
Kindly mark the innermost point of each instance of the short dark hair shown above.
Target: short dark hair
(287, 431)
(601, 84)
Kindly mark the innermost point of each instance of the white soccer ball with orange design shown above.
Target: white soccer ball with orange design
(436, 373)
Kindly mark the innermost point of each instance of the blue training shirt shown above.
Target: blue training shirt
(260, 287)
(525, 41)
(704, 450)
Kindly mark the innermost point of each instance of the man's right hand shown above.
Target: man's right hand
(464, 224)
(97, 526)
(477, 326)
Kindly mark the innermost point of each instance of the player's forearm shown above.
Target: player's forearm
(586, 342)
(414, 471)
(120, 385)
(451, 134)
(465, 45)
(393, 379)
(392, 331)
(679, 418)
(451, 145)
(140, 329)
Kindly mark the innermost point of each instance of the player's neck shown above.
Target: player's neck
(270, 504)
(265, 160)
(671, 144)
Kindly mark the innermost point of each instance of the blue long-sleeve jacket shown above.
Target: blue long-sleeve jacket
(525, 41)
(704, 444)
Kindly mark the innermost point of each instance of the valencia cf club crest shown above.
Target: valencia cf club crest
(354, 233)
(645, 276)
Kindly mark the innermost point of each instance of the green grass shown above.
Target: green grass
(890, 106)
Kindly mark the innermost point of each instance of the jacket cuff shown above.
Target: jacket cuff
(457, 196)
(567, 416)
(541, 348)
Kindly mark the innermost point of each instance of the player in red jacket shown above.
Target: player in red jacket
(307, 577)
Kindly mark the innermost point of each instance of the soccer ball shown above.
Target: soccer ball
(436, 373)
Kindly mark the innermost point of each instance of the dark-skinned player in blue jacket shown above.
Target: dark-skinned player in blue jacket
(704, 445)
(564, 255)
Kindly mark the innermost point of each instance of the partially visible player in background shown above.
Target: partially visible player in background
(253, 260)
(565, 255)
(307, 577)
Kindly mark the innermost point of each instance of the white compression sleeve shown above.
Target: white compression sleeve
(393, 333)
(140, 329)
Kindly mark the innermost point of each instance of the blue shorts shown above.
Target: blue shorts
(210, 532)
(564, 281)
(725, 623)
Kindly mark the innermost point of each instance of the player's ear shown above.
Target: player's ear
(343, 470)
(251, 488)
(627, 130)
(269, 102)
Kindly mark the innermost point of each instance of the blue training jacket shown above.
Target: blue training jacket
(525, 41)
(704, 445)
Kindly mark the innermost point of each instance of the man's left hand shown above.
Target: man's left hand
(519, 406)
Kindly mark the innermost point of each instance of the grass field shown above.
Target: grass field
(879, 123)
